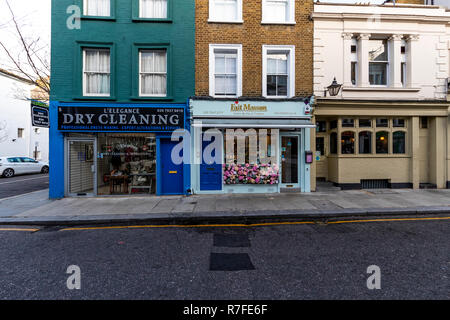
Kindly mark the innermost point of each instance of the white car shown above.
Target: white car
(10, 166)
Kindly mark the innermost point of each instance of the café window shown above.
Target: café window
(398, 123)
(153, 73)
(382, 123)
(365, 142)
(399, 140)
(96, 72)
(333, 124)
(333, 143)
(321, 126)
(97, 8)
(153, 9)
(348, 142)
(225, 70)
(278, 71)
(348, 123)
(365, 123)
(378, 62)
(320, 145)
(382, 142)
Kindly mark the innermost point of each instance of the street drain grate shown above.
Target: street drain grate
(231, 240)
(230, 262)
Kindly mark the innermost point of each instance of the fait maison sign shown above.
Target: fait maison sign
(249, 109)
(120, 119)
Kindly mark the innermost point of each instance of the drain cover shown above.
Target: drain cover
(230, 262)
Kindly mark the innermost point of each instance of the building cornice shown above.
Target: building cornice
(339, 107)
(379, 17)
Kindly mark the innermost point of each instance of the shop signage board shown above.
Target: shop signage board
(39, 114)
(250, 109)
(123, 119)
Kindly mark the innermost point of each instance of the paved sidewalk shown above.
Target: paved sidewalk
(35, 208)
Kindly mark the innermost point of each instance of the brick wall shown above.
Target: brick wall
(253, 35)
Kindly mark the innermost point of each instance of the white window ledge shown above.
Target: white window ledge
(222, 21)
(385, 89)
(279, 22)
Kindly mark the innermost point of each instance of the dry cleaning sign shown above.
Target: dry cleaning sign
(120, 118)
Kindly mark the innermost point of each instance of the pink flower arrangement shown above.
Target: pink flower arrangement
(250, 174)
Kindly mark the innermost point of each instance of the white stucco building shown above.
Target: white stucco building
(17, 135)
(389, 124)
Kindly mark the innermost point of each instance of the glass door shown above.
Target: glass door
(81, 165)
(290, 164)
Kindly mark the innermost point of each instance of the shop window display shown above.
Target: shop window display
(250, 157)
(126, 164)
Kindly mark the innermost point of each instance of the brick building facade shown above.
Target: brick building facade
(252, 34)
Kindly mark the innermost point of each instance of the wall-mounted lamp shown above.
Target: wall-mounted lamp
(333, 89)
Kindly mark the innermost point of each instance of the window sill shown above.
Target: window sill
(154, 20)
(167, 98)
(383, 89)
(229, 22)
(224, 97)
(277, 97)
(99, 98)
(109, 18)
(279, 22)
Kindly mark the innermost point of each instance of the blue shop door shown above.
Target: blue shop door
(210, 173)
(171, 174)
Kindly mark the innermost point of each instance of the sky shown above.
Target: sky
(33, 16)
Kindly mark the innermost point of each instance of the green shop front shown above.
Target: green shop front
(250, 146)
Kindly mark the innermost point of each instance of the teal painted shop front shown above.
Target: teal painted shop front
(120, 54)
(250, 146)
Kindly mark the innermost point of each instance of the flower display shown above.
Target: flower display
(250, 174)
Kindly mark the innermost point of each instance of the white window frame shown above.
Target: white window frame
(85, 8)
(212, 66)
(85, 94)
(140, 73)
(387, 63)
(291, 69)
(291, 11)
(212, 16)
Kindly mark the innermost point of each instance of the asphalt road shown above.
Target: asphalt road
(276, 262)
(22, 184)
